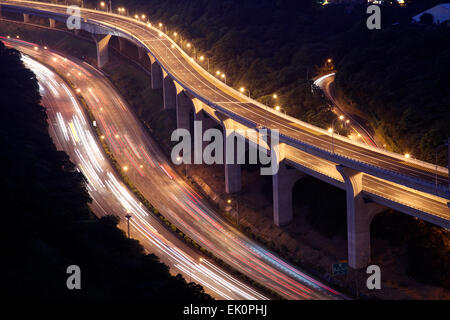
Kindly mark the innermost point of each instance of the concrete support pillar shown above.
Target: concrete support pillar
(51, 23)
(183, 106)
(282, 184)
(157, 74)
(26, 18)
(207, 123)
(141, 53)
(102, 49)
(169, 93)
(233, 181)
(121, 44)
(359, 217)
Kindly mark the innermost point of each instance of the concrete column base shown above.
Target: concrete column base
(169, 93)
(141, 53)
(183, 106)
(121, 44)
(207, 123)
(233, 181)
(157, 73)
(101, 44)
(359, 218)
(51, 23)
(26, 18)
(282, 184)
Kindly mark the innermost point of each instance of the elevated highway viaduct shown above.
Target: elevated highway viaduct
(372, 178)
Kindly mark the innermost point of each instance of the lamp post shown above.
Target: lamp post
(237, 209)
(128, 216)
(202, 58)
(242, 89)
(221, 75)
(275, 97)
(332, 132)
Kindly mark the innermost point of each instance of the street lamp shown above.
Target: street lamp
(128, 216)
(185, 165)
(105, 6)
(332, 132)
(189, 46)
(202, 58)
(278, 108)
(237, 209)
(242, 89)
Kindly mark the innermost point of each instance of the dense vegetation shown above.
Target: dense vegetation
(398, 78)
(47, 221)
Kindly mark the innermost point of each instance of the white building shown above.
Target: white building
(440, 13)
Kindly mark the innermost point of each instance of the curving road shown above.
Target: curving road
(71, 132)
(153, 176)
(326, 83)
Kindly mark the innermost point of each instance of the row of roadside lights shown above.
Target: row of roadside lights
(202, 58)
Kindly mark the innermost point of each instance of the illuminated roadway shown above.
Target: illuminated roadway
(325, 83)
(72, 133)
(390, 179)
(152, 175)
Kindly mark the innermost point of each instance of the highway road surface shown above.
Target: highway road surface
(151, 173)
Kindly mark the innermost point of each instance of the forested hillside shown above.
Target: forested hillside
(399, 78)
